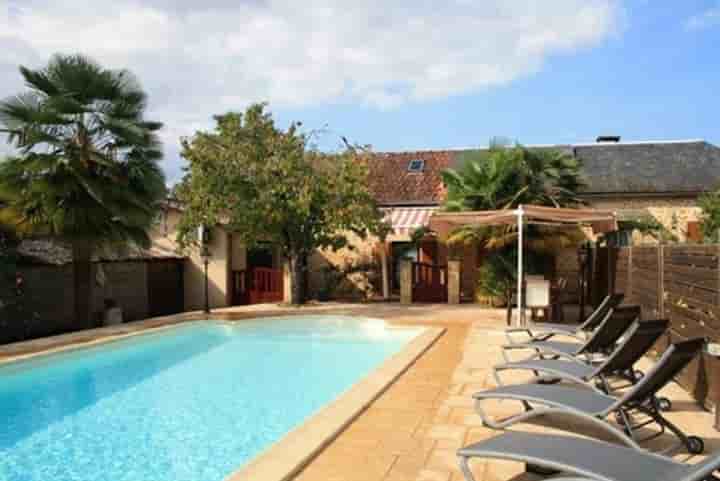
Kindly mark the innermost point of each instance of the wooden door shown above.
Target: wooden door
(165, 287)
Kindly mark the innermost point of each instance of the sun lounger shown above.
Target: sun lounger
(602, 340)
(590, 459)
(633, 410)
(546, 330)
(641, 336)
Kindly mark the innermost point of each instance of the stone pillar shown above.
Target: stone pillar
(405, 282)
(287, 281)
(454, 277)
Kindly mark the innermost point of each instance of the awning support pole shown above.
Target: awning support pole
(519, 297)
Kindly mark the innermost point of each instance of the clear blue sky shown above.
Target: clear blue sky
(398, 74)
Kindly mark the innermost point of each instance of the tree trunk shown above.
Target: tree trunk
(82, 283)
(298, 266)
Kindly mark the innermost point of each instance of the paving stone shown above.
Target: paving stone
(442, 459)
(433, 475)
(447, 431)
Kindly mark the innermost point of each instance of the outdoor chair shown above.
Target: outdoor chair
(589, 459)
(602, 341)
(545, 330)
(636, 408)
(639, 339)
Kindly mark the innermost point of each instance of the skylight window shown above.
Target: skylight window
(416, 165)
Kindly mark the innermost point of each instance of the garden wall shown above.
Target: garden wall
(142, 288)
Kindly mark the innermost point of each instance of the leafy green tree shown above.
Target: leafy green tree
(710, 217)
(86, 170)
(268, 184)
(505, 177)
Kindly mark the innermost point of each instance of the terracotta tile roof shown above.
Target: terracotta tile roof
(391, 183)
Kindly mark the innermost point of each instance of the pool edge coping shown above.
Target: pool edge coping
(285, 458)
(107, 335)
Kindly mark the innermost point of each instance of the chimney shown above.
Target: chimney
(608, 138)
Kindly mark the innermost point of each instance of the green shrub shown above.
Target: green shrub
(710, 217)
(497, 276)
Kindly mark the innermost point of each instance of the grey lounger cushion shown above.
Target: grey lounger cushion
(559, 367)
(579, 456)
(571, 398)
(561, 347)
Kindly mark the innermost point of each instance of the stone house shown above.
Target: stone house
(644, 180)
(227, 263)
(660, 180)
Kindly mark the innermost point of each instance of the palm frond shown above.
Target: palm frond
(505, 177)
(88, 165)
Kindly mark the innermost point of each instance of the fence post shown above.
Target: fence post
(661, 281)
(714, 366)
(717, 254)
(629, 286)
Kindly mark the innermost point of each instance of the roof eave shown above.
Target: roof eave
(409, 203)
(673, 194)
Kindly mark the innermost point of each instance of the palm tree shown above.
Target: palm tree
(86, 170)
(503, 178)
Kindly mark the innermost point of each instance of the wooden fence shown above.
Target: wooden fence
(257, 285)
(680, 283)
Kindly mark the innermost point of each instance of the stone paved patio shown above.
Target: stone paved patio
(389, 441)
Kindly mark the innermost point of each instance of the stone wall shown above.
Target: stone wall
(49, 297)
(362, 258)
(468, 271)
(566, 267)
(127, 284)
(673, 213)
(349, 273)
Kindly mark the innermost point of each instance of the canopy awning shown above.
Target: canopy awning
(599, 220)
(404, 220)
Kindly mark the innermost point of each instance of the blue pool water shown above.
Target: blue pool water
(191, 403)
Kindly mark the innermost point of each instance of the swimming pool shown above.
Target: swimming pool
(190, 403)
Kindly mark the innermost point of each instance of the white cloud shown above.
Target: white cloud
(706, 19)
(200, 58)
